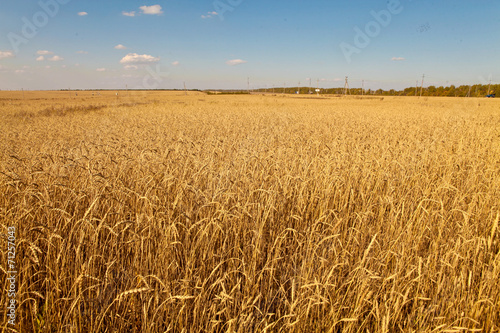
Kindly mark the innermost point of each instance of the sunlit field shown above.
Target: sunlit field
(174, 212)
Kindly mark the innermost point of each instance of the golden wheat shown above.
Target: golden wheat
(160, 212)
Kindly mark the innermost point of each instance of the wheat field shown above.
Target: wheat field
(167, 212)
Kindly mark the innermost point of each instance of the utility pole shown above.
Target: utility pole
(422, 86)
(298, 88)
(362, 87)
(185, 90)
(248, 84)
(310, 85)
(470, 88)
(284, 87)
(489, 86)
(416, 88)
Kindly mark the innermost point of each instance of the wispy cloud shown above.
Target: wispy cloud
(134, 58)
(209, 15)
(176, 63)
(40, 58)
(130, 14)
(83, 14)
(101, 70)
(44, 52)
(398, 59)
(131, 67)
(235, 62)
(120, 47)
(82, 52)
(151, 10)
(6, 54)
(56, 58)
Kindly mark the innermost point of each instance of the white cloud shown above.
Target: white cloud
(120, 47)
(82, 52)
(20, 71)
(55, 58)
(101, 69)
(131, 67)
(209, 15)
(83, 14)
(44, 52)
(398, 59)
(6, 54)
(151, 10)
(176, 63)
(134, 58)
(130, 14)
(235, 62)
(40, 58)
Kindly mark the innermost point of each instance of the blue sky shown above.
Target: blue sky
(85, 44)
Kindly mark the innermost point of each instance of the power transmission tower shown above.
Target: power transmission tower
(346, 86)
(422, 86)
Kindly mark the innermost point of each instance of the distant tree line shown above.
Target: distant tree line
(477, 90)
